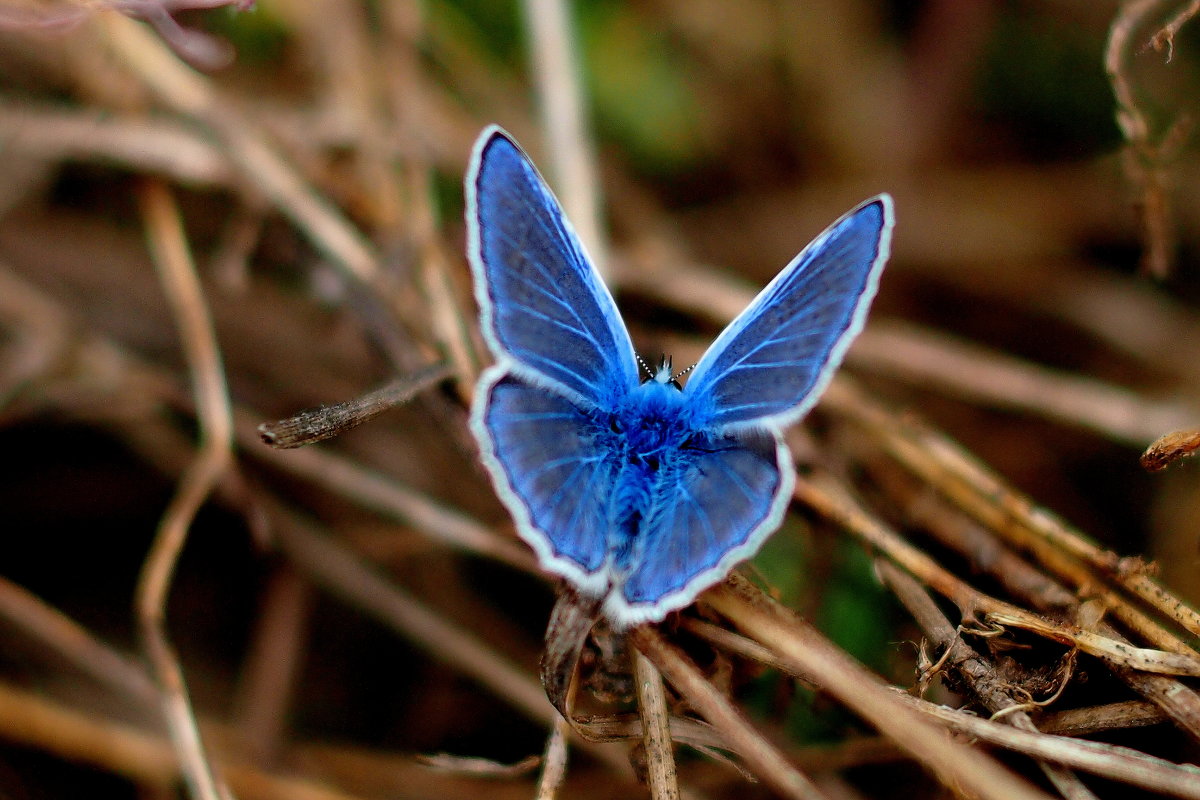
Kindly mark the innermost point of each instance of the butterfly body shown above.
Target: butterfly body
(644, 455)
(643, 494)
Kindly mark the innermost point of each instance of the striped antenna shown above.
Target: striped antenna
(642, 363)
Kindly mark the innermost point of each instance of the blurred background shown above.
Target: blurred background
(1040, 308)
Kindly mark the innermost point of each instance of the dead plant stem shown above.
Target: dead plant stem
(182, 288)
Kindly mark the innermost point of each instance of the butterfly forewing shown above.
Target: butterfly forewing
(772, 362)
(543, 305)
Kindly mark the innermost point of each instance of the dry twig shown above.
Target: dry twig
(810, 654)
(656, 730)
(215, 456)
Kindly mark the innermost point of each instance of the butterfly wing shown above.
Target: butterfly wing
(710, 513)
(771, 364)
(561, 352)
(538, 446)
(544, 309)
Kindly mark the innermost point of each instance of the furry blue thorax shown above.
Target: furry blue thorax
(651, 442)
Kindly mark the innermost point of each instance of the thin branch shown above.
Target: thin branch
(272, 666)
(409, 104)
(763, 758)
(1167, 450)
(656, 730)
(554, 761)
(978, 672)
(1098, 719)
(76, 644)
(1145, 158)
(988, 556)
(215, 456)
(830, 500)
(1165, 38)
(147, 145)
(563, 119)
(35, 722)
(346, 576)
(804, 649)
(811, 654)
(191, 95)
(326, 422)
(1110, 761)
(392, 499)
(1025, 525)
(936, 361)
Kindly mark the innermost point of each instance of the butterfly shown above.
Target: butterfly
(643, 493)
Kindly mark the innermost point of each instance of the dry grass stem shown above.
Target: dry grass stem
(410, 103)
(1165, 37)
(564, 123)
(1025, 525)
(125, 750)
(371, 589)
(987, 555)
(189, 94)
(388, 497)
(763, 758)
(76, 644)
(830, 500)
(554, 761)
(656, 730)
(271, 672)
(160, 146)
(340, 572)
(1116, 763)
(810, 654)
(327, 422)
(937, 362)
(1169, 449)
(749, 649)
(995, 693)
(344, 575)
(1146, 155)
(1096, 719)
(182, 288)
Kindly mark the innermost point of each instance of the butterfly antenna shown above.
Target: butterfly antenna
(685, 372)
(642, 363)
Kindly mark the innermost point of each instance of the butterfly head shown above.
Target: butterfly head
(663, 374)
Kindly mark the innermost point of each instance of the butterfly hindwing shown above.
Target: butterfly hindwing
(710, 514)
(771, 364)
(543, 305)
(553, 479)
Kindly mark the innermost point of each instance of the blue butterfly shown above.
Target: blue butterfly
(641, 493)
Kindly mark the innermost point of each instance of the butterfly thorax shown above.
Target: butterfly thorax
(648, 435)
(651, 421)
